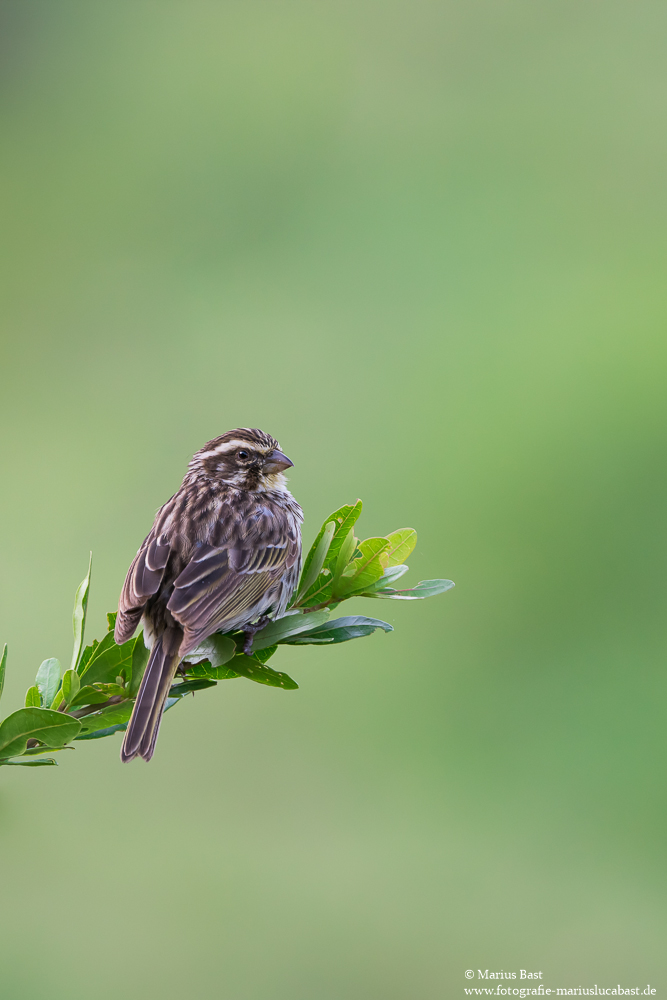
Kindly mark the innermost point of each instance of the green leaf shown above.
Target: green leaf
(364, 569)
(112, 720)
(42, 762)
(309, 641)
(265, 654)
(71, 685)
(345, 553)
(401, 544)
(33, 699)
(140, 656)
(217, 649)
(344, 519)
(111, 620)
(390, 575)
(108, 661)
(79, 616)
(52, 728)
(248, 667)
(114, 715)
(204, 669)
(289, 624)
(88, 695)
(3, 668)
(48, 681)
(99, 734)
(87, 656)
(91, 651)
(316, 558)
(185, 687)
(341, 630)
(427, 588)
(111, 690)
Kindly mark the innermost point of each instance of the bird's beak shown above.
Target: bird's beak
(277, 462)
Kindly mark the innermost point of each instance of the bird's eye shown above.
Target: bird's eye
(242, 454)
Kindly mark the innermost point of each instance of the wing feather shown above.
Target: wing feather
(246, 557)
(143, 578)
(223, 584)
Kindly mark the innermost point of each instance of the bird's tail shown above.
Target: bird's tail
(144, 724)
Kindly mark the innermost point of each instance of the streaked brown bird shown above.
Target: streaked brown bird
(223, 554)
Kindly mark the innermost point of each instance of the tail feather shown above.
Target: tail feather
(149, 739)
(143, 727)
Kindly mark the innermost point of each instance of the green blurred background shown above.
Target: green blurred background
(424, 245)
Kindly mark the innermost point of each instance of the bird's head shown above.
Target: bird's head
(246, 458)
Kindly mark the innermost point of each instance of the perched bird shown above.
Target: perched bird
(222, 554)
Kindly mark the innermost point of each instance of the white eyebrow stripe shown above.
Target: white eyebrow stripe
(226, 446)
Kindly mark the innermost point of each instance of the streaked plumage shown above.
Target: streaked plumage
(222, 553)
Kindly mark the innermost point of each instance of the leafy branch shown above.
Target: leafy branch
(95, 696)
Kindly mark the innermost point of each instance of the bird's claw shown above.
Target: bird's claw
(250, 631)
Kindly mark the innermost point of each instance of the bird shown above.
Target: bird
(224, 554)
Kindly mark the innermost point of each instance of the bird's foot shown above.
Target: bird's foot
(249, 633)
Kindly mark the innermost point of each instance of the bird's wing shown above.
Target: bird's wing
(143, 577)
(224, 581)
